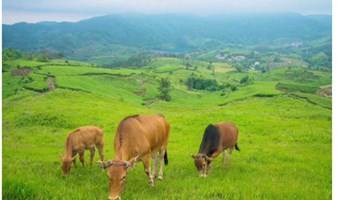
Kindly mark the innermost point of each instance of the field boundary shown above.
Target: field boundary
(73, 89)
(248, 97)
(295, 96)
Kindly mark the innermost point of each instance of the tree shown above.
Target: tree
(164, 89)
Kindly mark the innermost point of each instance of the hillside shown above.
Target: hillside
(283, 116)
(114, 36)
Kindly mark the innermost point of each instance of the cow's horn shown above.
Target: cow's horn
(106, 164)
(132, 162)
(208, 158)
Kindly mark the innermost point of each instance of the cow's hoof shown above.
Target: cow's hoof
(160, 177)
(151, 183)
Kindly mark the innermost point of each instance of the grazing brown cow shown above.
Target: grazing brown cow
(217, 138)
(138, 138)
(78, 141)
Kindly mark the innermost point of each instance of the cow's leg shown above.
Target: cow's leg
(230, 153)
(81, 157)
(100, 149)
(224, 157)
(74, 160)
(161, 158)
(92, 154)
(206, 170)
(230, 150)
(147, 168)
(155, 164)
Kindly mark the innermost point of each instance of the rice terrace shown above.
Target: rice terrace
(126, 74)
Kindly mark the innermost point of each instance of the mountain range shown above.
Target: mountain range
(117, 34)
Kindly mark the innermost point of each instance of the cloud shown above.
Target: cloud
(16, 9)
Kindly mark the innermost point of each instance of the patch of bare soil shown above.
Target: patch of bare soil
(325, 91)
(51, 83)
(21, 71)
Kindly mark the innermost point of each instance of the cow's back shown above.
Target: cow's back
(86, 137)
(228, 133)
(141, 134)
(155, 130)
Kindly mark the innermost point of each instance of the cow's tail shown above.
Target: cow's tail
(165, 157)
(237, 147)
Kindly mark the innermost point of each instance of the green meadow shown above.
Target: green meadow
(285, 129)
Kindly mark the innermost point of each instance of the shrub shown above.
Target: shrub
(244, 80)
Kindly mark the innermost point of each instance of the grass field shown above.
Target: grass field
(285, 132)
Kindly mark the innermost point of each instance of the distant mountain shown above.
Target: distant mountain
(111, 34)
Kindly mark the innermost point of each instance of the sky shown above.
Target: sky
(74, 10)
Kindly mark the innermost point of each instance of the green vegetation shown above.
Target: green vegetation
(116, 40)
(285, 128)
(202, 84)
(164, 89)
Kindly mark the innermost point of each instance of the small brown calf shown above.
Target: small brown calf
(83, 138)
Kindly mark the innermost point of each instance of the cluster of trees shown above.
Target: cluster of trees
(200, 83)
(10, 54)
(320, 61)
(130, 60)
(42, 56)
(138, 60)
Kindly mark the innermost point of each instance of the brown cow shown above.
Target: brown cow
(217, 138)
(78, 141)
(138, 138)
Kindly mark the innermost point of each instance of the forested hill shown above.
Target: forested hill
(178, 33)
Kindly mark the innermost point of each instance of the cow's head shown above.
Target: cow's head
(202, 163)
(66, 164)
(117, 173)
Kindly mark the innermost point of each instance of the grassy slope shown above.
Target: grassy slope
(285, 141)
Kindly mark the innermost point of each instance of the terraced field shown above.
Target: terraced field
(285, 129)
